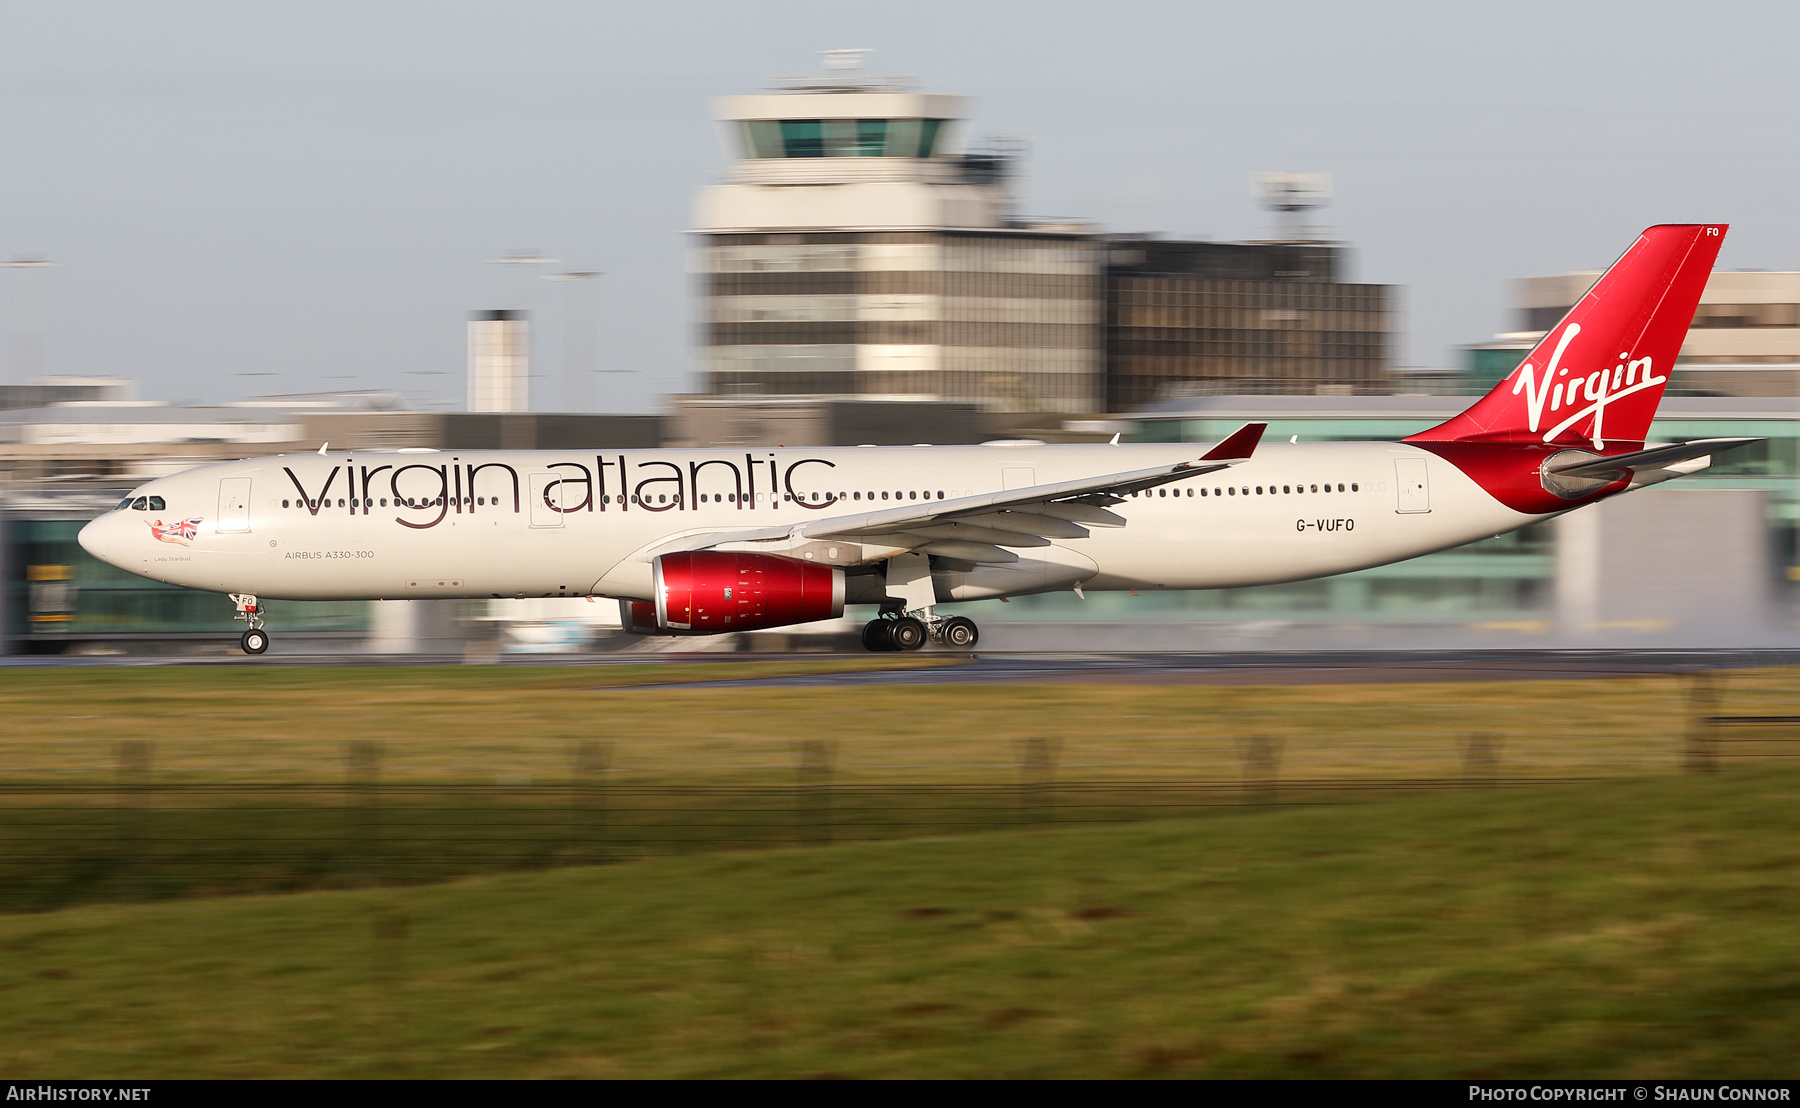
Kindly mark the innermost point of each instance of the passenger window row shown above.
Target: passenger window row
(827, 498)
(815, 498)
(399, 502)
(155, 503)
(607, 498)
(1252, 490)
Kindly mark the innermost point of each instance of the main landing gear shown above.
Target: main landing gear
(958, 632)
(255, 640)
(900, 631)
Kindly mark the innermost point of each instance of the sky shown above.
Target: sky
(257, 197)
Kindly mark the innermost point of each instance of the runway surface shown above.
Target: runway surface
(1286, 668)
(1239, 668)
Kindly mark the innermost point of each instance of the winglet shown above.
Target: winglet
(322, 447)
(1240, 444)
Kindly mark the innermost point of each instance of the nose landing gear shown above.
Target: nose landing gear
(255, 640)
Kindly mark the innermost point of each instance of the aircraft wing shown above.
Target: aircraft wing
(980, 528)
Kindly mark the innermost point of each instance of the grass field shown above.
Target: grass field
(133, 784)
(909, 880)
(1641, 927)
(505, 725)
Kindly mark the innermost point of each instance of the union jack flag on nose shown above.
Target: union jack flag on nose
(181, 533)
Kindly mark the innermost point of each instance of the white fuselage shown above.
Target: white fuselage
(392, 525)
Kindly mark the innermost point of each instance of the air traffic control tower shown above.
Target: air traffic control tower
(858, 247)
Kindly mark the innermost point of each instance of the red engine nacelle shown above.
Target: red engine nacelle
(710, 592)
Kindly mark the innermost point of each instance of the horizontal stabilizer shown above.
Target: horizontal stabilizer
(1657, 457)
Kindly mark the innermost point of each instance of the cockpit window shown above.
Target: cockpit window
(142, 503)
(123, 504)
(158, 505)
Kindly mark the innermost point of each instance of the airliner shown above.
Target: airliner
(716, 541)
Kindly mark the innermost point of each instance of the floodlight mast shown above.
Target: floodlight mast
(25, 357)
(845, 62)
(1291, 196)
(845, 72)
(578, 340)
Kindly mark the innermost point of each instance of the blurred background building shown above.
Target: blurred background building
(861, 246)
(1745, 340)
(499, 361)
(1277, 318)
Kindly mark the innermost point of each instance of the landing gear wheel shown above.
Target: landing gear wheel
(255, 641)
(960, 633)
(907, 633)
(876, 635)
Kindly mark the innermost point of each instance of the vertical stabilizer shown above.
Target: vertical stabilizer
(1597, 376)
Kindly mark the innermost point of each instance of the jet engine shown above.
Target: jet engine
(710, 592)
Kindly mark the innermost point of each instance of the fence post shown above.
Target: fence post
(1262, 764)
(391, 925)
(1701, 753)
(132, 818)
(813, 802)
(1481, 759)
(362, 780)
(1037, 779)
(590, 764)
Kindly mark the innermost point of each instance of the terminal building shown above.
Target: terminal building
(1199, 318)
(861, 245)
(858, 248)
(1745, 339)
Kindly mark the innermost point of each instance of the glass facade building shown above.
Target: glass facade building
(1210, 318)
(57, 595)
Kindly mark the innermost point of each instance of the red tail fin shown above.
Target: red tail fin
(1598, 375)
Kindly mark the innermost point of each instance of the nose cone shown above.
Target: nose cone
(94, 538)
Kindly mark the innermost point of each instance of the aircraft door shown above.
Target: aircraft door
(547, 493)
(1414, 489)
(234, 505)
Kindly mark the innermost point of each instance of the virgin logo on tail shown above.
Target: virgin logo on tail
(1599, 388)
